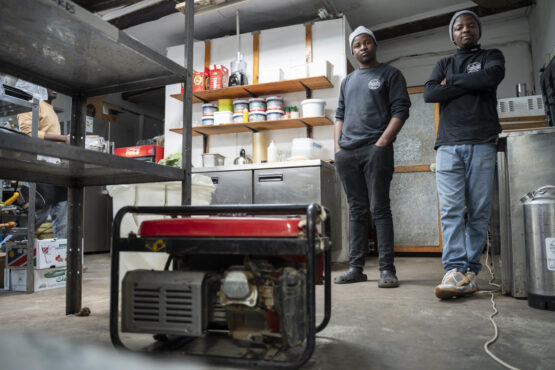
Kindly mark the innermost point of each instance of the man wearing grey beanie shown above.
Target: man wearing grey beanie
(465, 85)
(373, 106)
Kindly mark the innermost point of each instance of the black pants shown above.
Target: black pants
(366, 174)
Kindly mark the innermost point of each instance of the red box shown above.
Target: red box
(219, 76)
(200, 81)
(151, 153)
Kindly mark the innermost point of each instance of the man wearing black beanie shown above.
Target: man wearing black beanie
(465, 85)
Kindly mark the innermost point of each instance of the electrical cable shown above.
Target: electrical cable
(495, 312)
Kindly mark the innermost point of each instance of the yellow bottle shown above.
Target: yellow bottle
(245, 115)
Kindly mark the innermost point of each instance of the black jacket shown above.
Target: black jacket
(468, 100)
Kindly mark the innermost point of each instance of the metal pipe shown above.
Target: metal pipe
(238, 35)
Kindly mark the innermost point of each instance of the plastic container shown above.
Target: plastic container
(294, 112)
(238, 117)
(305, 148)
(257, 116)
(274, 102)
(223, 117)
(240, 105)
(272, 152)
(209, 108)
(313, 107)
(225, 105)
(208, 120)
(257, 104)
(274, 114)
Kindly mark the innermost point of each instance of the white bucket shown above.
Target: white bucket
(313, 107)
(223, 117)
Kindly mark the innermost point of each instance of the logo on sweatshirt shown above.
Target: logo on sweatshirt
(473, 67)
(374, 84)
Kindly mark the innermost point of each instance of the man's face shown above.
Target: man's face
(466, 31)
(364, 48)
(51, 94)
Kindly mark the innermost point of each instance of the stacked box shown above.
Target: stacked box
(219, 76)
(51, 253)
(16, 279)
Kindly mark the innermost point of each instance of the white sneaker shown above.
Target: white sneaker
(471, 275)
(454, 284)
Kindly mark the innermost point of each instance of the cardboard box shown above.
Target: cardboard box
(201, 81)
(219, 76)
(44, 279)
(51, 253)
(320, 68)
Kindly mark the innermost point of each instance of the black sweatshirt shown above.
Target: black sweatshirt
(468, 101)
(368, 99)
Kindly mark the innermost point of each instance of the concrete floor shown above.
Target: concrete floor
(370, 328)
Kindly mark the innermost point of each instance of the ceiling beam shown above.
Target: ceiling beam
(148, 14)
(441, 20)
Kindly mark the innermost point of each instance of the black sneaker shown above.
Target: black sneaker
(388, 280)
(352, 275)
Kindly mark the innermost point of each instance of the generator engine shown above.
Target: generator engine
(257, 301)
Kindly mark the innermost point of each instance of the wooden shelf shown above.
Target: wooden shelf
(230, 128)
(268, 88)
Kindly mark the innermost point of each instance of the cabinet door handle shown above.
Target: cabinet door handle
(214, 180)
(270, 177)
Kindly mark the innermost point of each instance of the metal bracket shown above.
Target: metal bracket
(308, 129)
(308, 90)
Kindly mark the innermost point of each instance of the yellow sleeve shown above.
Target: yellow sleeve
(25, 121)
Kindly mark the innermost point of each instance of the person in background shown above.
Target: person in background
(55, 197)
(465, 85)
(373, 106)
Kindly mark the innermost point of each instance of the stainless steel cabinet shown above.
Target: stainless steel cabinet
(287, 185)
(232, 187)
(525, 162)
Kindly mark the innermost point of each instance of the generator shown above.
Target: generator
(246, 271)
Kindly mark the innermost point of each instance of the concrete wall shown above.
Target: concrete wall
(280, 47)
(542, 34)
(415, 55)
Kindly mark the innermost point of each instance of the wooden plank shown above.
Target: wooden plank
(418, 248)
(268, 88)
(317, 121)
(308, 42)
(522, 126)
(180, 98)
(255, 56)
(226, 128)
(414, 168)
(523, 119)
(180, 131)
(207, 49)
(415, 89)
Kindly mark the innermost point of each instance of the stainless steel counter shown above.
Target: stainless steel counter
(265, 166)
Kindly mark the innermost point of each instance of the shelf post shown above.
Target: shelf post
(187, 104)
(75, 197)
(255, 56)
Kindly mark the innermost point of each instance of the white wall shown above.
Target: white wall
(415, 55)
(542, 34)
(279, 47)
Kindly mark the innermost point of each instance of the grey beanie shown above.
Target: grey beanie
(359, 31)
(457, 15)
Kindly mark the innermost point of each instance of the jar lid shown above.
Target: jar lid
(251, 100)
(262, 113)
(274, 110)
(240, 102)
(274, 98)
(207, 116)
(317, 101)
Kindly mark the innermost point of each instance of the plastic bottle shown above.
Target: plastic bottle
(272, 152)
(245, 115)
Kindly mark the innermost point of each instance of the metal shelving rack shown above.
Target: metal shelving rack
(62, 46)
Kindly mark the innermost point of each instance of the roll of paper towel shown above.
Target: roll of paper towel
(259, 146)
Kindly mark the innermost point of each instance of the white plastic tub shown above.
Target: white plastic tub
(257, 116)
(274, 114)
(313, 107)
(223, 117)
(305, 148)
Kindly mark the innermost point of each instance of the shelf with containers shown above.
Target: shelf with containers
(251, 91)
(86, 57)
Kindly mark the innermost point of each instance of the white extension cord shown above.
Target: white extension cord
(495, 312)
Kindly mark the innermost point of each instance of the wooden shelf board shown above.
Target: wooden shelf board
(230, 128)
(523, 119)
(268, 88)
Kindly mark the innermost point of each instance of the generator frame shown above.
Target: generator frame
(309, 245)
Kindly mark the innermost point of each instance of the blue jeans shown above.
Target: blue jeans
(464, 177)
